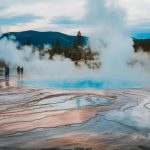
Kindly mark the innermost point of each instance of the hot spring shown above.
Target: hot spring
(81, 83)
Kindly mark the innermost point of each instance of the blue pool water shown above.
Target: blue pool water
(87, 83)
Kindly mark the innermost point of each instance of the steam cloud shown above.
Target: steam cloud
(108, 36)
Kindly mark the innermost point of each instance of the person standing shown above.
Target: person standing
(21, 72)
(7, 73)
(18, 72)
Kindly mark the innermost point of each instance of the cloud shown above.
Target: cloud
(140, 29)
(65, 20)
(136, 9)
(60, 15)
(18, 19)
(48, 10)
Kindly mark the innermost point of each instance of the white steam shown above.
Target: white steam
(37, 67)
(110, 38)
(107, 23)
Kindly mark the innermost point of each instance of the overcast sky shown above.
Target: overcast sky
(65, 15)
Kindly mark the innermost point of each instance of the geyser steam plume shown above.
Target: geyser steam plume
(109, 36)
(107, 23)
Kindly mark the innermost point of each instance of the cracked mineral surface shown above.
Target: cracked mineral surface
(34, 118)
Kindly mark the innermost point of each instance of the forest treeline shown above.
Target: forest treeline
(141, 45)
(78, 51)
(72, 47)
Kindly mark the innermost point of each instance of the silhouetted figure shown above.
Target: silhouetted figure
(7, 73)
(18, 72)
(21, 72)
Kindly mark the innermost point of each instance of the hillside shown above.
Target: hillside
(71, 47)
(39, 39)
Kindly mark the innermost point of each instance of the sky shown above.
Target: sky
(66, 15)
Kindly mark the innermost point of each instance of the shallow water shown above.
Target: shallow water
(72, 101)
(82, 83)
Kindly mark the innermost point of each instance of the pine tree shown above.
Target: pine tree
(28, 42)
(57, 47)
(79, 39)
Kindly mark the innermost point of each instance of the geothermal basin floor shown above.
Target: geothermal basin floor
(35, 119)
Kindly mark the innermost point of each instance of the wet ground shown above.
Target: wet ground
(33, 118)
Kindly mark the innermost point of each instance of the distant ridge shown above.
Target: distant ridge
(39, 39)
(141, 36)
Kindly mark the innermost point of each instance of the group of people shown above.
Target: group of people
(20, 71)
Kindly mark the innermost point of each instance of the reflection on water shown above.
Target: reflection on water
(72, 101)
(6, 82)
